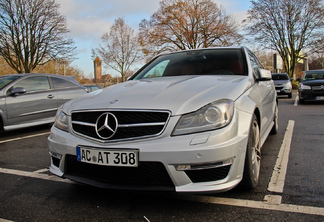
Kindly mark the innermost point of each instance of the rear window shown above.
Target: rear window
(62, 83)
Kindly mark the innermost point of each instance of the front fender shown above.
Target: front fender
(249, 103)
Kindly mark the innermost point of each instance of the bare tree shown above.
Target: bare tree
(266, 58)
(32, 33)
(287, 26)
(120, 48)
(316, 61)
(187, 24)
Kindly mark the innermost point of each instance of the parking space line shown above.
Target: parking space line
(253, 204)
(296, 100)
(25, 137)
(265, 205)
(4, 220)
(277, 181)
(35, 174)
(41, 170)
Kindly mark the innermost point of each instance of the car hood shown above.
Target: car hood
(317, 82)
(179, 94)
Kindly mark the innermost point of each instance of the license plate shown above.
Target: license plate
(320, 98)
(107, 157)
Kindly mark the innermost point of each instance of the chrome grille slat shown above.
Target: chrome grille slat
(142, 124)
(318, 88)
(84, 123)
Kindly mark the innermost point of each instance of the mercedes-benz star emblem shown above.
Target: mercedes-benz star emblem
(106, 125)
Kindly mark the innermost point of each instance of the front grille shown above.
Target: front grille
(206, 175)
(131, 124)
(279, 87)
(149, 174)
(318, 88)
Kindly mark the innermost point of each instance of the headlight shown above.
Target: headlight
(61, 120)
(210, 117)
(288, 85)
(302, 86)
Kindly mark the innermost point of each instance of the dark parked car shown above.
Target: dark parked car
(311, 86)
(282, 84)
(33, 99)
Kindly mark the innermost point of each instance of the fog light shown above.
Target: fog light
(182, 167)
(56, 155)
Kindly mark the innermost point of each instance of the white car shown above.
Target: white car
(189, 121)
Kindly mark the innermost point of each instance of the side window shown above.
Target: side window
(62, 83)
(255, 63)
(32, 84)
(158, 70)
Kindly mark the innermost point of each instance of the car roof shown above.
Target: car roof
(68, 78)
(36, 74)
(315, 71)
(41, 74)
(201, 49)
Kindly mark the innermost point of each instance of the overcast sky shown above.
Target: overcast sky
(89, 20)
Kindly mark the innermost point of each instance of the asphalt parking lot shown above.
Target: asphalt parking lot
(291, 183)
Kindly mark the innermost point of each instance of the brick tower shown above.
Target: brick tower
(97, 69)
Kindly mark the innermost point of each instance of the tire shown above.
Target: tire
(275, 127)
(301, 101)
(253, 157)
(1, 126)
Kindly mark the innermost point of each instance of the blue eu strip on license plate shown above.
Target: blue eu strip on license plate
(107, 157)
(319, 97)
(78, 154)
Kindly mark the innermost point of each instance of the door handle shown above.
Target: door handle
(50, 96)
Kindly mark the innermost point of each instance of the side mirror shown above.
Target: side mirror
(86, 89)
(264, 75)
(18, 90)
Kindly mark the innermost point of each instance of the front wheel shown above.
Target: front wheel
(252, 158)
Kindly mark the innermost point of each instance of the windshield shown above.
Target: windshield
(280, 77)
(5, 80)
(313, 76)
(196, 62)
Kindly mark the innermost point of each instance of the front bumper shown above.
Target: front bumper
(217, 158)
(283, 91)
(311, 95)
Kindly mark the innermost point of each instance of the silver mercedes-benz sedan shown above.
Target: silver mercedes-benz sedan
(189, 121)
(32, 99)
